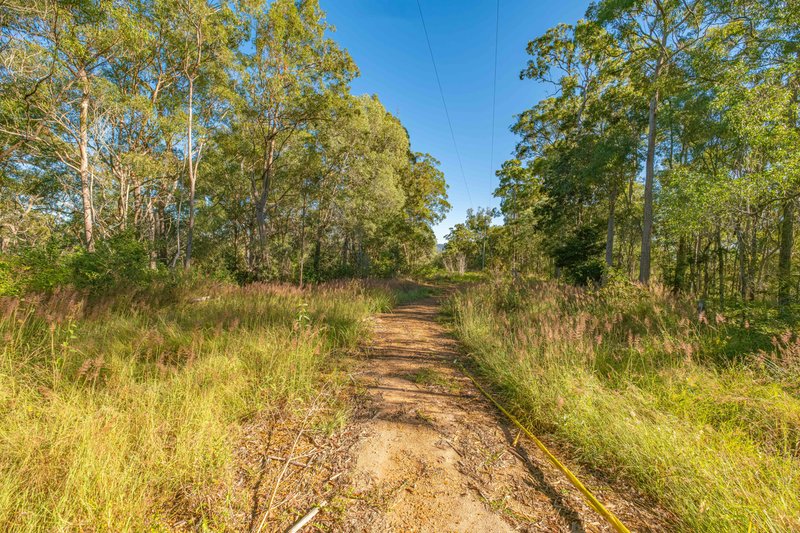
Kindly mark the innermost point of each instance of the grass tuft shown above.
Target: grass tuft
(121, 414)
(645, 388)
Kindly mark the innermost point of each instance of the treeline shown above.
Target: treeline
(669, 149)
(142, 135)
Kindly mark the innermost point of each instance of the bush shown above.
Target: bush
(40, 268)
(589, 272)
(119, 260)
(579, 255)
(8, 286)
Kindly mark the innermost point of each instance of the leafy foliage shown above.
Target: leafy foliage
(220, 136)
(579, 255)
(675, 125)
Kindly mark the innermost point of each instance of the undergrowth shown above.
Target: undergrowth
(119, 413)
(652, 392)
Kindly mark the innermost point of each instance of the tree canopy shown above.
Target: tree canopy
(673, 131)
(218, 133)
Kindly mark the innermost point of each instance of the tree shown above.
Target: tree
(468, 242)
(583, 141)
(287, 84)
(111, 112)
(65, 47)
(203, 35)
(652, 35)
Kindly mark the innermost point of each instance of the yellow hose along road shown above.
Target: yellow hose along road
(590, 498)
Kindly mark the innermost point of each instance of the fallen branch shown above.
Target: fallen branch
(277, 484)
(309, 516)
(290, 461)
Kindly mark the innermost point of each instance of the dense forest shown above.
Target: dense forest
(668, 151)
(147, 135)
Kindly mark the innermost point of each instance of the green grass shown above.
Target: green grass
(649, 391)
(412, 293)
(119, 414)
(439, 275)
(431, 377)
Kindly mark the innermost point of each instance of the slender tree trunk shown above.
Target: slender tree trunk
(630, 237)
(187, 263)
(317, 253)
(785, 256)
(647, 219)
(787, 225)
(174, 262)
(720, 268)
(706, 278)
(302, 241)
(693, 271)
(261, 204)
(151, 237)
(122, 201)
(612, 203)
(345, 248)
(680, 265)
(742, 258)
(83, 146)
(751, 269)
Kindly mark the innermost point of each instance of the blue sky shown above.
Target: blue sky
(386, 39)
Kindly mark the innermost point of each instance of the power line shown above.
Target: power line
(444, 103)
(494, 95)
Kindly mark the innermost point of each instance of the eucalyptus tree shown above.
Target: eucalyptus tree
(583, 140)
(286, 85)
(521, 196)
(56, 53)
(111, 111)
(138, 128)
(468, 241)
(729, 156)
(203, 36)
(425, 204)
(652, 36)
(773, 32)
(372, 192)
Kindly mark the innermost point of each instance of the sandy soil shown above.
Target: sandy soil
(434, 455)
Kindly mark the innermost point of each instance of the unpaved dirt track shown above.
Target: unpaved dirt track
(435, 456)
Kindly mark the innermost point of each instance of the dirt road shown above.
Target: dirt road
(435, 455)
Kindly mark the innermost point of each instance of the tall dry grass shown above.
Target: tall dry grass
(700, 411)
(117, 414)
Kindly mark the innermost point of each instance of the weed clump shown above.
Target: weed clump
(649, 389)
(118, 413)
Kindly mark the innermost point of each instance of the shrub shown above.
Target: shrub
(579, 256)
(40, 268)
(119, 260)
(8, 285)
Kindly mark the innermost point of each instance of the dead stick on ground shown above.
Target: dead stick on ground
(291, 461)
(453, 447)
(288, 459)
(309, 516)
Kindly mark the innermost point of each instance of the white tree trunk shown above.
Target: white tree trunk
(83, 146)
